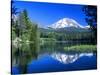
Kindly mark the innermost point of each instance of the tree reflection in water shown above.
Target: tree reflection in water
(22, 55)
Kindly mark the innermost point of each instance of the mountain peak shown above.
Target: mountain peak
(66, 22)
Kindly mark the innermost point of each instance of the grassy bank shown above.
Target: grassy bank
(82, 48)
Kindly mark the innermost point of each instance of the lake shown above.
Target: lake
(51, 58)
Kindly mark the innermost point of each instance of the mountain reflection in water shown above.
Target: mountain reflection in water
(69, 58)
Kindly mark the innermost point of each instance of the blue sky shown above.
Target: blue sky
(48, 13)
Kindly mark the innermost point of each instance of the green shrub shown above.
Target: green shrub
(82, 48)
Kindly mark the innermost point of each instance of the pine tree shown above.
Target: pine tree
(91, 19)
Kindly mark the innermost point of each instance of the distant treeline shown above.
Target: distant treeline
(69, 36)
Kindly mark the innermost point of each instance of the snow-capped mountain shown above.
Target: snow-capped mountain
(66, 22)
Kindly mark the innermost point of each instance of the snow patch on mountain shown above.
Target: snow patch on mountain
(87, 27)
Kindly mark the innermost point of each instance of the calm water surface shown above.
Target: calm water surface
(52, 58)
